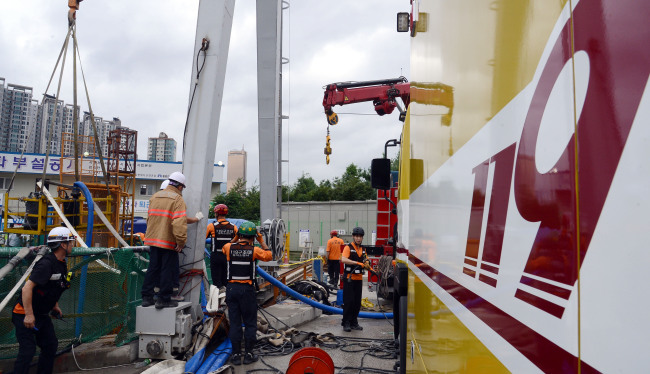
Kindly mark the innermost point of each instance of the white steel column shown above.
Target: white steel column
(200, 141)
(269, 38)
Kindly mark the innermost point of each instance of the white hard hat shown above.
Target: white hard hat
(177, 177)
(59, 234)
(164, 184)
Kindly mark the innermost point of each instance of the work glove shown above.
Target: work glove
(199, 216)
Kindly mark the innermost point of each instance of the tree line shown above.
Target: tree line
(353, 185)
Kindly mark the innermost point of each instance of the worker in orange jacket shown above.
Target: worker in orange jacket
(354, 261)
(240, 292)
(222, 232)
(334, 257)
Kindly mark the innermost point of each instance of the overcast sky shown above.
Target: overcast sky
(137, 57)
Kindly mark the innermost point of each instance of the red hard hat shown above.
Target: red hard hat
(334, 233)
(221, 210)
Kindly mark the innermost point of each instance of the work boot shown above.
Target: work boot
(178, 298)
(147, 301)
(356, 327)
(346, 327)
(160, 304)
(250, 357)
(235, 359)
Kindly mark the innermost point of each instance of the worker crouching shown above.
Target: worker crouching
(240, 292)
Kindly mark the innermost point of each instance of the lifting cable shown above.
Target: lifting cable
(92, 121)
(56, 104)
(31, 131)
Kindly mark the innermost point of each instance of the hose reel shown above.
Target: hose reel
(274, 234)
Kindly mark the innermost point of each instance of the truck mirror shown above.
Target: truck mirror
(380, 173)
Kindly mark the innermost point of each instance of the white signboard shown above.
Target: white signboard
(144, 169)
(303, 239)
(141, 206)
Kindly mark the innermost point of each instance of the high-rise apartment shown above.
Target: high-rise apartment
(27, 125)
(236, 167)
(17, 115)
(162, 148)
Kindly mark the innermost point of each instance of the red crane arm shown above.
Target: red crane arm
(382, 93)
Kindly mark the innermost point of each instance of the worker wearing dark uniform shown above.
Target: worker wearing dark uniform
(354, 260)
(40, 297)
(240, 292)
(221, 232)
(166, 236)
(334, 257)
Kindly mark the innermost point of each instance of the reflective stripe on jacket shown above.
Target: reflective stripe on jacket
(356, 271)
(258, 254)
(167, 220)
(222, 232)
(241, 265)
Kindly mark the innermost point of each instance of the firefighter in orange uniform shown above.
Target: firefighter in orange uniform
(354, 261)
(221, 232)
(333, 257)
(240, 292)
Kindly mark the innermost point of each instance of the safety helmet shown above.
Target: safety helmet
(334, 233)
(358, 231)
(221, 210)
(164, 184)
(247, 229)
(177, 177)
(59, 235)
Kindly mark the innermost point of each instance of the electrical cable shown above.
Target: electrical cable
(204, 47)
(270, 369)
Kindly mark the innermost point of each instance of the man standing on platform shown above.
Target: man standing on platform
(166, 235)
(334, 257)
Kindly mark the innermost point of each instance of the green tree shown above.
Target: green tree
(394, 163)
(303, 189)
(353, 185)
(242, 203)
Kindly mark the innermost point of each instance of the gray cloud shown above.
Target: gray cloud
(138, 55)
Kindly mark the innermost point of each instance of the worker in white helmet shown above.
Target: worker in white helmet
(166, 235)
(39, 298)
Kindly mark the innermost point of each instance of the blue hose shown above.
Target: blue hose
(84, 271)
(316, 304)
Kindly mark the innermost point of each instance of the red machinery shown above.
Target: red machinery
(383, 94)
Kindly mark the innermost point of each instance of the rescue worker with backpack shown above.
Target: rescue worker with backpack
(40, 297)
(354, 260)
(221, 232)
(240, 292)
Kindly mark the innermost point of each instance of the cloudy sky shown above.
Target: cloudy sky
(137, 57)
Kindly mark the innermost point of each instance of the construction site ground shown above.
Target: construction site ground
(353, 351)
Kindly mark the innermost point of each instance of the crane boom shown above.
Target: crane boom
(382, 93)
